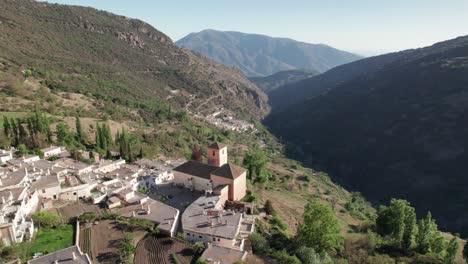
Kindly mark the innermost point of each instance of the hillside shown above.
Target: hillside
(393, 127)
(124, 61)
(272, 82)
(259, 55)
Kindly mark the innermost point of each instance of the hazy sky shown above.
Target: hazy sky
(362, 26)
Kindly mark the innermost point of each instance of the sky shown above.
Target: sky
(366, 27)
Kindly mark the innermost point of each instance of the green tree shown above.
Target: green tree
(397, 221)
(451, 252)
(45, 219)
(63, 134)
(6, 126)
(127, 248)
(255, 161)
(428, 238)
(309, 256)
(465, 253)
(98, 136)
(259, 243)
(269, 207)
(79, 130)
(320, 229)
(22, 149)
(87, 217)
(199, 247)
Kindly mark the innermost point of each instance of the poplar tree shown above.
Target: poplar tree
(6, 126)
(451, 252)
(79, 130)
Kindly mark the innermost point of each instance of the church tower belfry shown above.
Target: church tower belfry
(217, 154)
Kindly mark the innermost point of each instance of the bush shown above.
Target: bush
(282, 257)
(309, 256)
(269, 208)
(45, 219)
(278, 223)
(260, 245)
(87, 217)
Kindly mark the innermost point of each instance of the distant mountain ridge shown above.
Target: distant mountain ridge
(259, 55)
(387, 126)
(282, 78)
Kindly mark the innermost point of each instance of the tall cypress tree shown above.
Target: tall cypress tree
(22, 132)
(98, 136)
(79, 130)
(6, 126)
(15, 133)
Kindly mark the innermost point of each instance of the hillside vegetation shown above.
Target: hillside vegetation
(259, 55)
(120, 60)
(396, 130)
(279, 79)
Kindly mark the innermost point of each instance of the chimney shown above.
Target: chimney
(3, 200)
(73, 255)
(133, 214)
(56, 261)
(26, 171)
(149, 210)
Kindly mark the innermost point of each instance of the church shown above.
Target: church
(216, 176)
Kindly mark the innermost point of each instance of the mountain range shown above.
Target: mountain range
(260, 56)
(387, 126)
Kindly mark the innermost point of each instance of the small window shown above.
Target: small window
(219, 239)
(214, 239)
(188, 234)
(200, 237)
(43, 191)
(214, 153)
(74, 193)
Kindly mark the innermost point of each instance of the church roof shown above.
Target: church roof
(217, 146)
(196, 168)
(229, 171)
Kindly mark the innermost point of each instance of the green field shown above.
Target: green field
(49, 240)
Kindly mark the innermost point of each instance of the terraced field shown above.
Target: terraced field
(161, 251)
(85, 241)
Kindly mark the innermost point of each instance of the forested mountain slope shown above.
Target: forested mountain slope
(396, 126)
(121, 60)
(282, 78)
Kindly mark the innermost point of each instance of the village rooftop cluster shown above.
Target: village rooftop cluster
(216, 216)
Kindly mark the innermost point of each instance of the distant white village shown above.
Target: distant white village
(213, 213)
(225, 120)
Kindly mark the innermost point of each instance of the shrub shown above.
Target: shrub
(282, 257)
(87, 217)
(269, 207)
(260, 245)
(45, 219)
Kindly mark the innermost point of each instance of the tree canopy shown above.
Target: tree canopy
(320, 229)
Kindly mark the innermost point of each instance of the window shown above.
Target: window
(43, 191)
(214, 153)
(219, 239)
(74, 193)
(200, 237)
(214, 239)
(188, 234)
